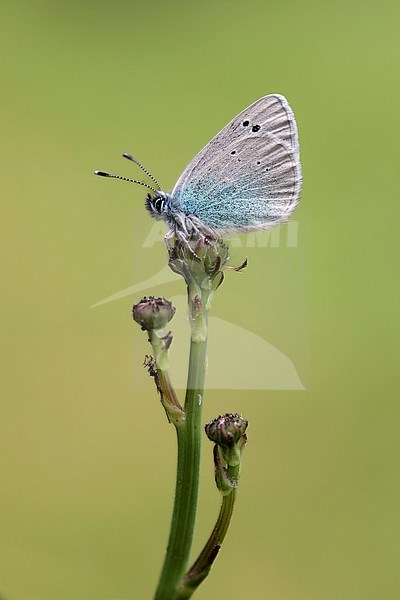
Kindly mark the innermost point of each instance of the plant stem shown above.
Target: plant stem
(202, 566)
(187, 481)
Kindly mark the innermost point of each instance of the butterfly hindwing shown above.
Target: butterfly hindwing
(248, 176)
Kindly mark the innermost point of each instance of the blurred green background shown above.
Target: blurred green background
(87, 460)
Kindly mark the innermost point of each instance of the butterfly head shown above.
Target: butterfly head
(158, 204)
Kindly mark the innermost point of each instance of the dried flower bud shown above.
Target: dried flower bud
(228, 432)
(153, 313)
(199, 260)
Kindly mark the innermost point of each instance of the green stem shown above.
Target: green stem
(187, 482)
(202, 566)
(169, 399)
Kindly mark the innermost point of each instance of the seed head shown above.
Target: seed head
(153, 313)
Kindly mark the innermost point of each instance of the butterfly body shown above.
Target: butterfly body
(248, 177)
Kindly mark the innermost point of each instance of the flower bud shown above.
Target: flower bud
(228, 432)
(153, 313)
(199, 260)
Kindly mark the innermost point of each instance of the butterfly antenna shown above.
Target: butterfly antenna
(139, 164)
(105, 174)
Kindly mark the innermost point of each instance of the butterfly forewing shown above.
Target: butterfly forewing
(249, 175)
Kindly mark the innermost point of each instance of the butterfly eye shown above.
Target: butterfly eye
(158, 205)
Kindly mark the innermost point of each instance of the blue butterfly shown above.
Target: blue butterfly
(247, 178)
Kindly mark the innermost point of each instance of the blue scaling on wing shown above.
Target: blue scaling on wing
(249, 176)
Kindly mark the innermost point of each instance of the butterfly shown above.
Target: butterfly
(247, 178)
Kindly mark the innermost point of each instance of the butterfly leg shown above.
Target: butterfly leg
(186, 230)
(185, 240)
(171, 234)
(168, 237)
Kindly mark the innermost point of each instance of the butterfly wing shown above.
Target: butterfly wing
(248, 176)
